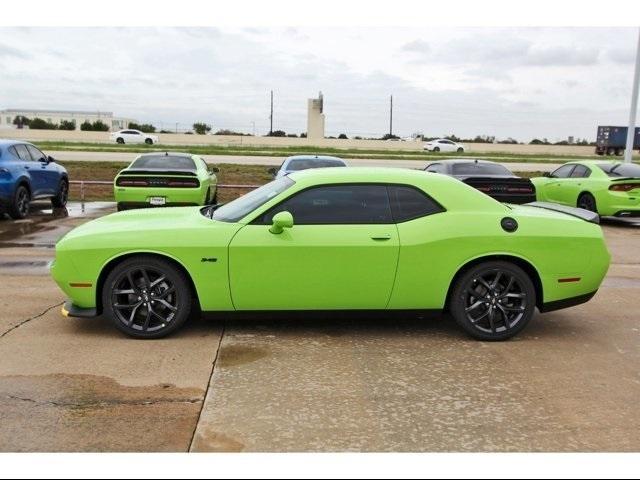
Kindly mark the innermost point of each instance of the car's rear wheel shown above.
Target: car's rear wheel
(148, 141)
(588, 202)
(146, 297)
(120, 140)
(19, 208)
(436, 149)
(60, 200)
(493, 300)
(460, 150)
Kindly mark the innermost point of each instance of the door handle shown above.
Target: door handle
(384, 236)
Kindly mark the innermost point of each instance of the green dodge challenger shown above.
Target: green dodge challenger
(336, 239)
(608, 188)
(165, 179)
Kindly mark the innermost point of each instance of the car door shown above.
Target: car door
(559, 180)
(341, 252)
(131, 136)
(33, 168)
(48, 171)
(573, 186)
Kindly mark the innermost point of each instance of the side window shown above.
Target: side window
(437, 168)
(336, 204)
(563, 172)
(22, 152)
(580, 172)
(36, 154)
(408, 203)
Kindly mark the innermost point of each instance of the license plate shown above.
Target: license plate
(157, 200)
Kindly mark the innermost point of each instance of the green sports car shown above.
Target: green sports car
(608, 188)
(165, 179)
(381, 239)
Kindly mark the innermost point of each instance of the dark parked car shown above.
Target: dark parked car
(491, 178)
(27, 174)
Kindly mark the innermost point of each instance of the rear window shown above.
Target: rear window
(473, 168)
(620, 169)
(307, 163)
(165, 162)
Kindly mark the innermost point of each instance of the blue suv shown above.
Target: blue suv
(28, 174)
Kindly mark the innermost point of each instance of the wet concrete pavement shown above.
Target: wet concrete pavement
(570, 382)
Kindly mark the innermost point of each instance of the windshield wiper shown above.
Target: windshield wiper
(212, 208)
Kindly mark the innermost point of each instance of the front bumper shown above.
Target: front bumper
(70, 310)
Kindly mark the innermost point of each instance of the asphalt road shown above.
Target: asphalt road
(276, 161)
(570, 382)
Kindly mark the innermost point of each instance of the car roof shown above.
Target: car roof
(463, 160)
(5, 142)
(168, 154)
(313, 157)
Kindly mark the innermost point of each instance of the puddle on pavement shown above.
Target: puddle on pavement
(94, 413)
(234, 355)
(45, 225)
(25, 267)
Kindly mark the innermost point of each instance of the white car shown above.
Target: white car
(305, 162)
(134, 136)
(444, 145)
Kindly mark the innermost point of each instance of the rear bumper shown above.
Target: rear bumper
(133, 205)
(567, 302)
(70, 310)
(173, 196)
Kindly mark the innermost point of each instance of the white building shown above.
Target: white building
(56, 116)
(315, 117)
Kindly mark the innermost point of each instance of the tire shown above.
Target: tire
(60, 200)
(436, 149)
(587, 202)
(120, 140)
(460, 150)
(148, 141)
(619, 151)
(19, 207)
(492, 315)
(610, 151)
(155, 280)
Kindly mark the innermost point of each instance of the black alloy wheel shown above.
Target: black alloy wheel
(19, 209)
(60, 200)
(147, 297)
(493, 300)
(587, 202)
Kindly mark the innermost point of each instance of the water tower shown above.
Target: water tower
(315, 117)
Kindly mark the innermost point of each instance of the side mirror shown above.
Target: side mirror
(50, 159)
(281, 220)
(273, 171)
(547, 174)
(214, 170)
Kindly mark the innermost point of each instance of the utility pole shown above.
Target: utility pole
(391, 117)
(253, 124)
(271, 115)
(631, 130)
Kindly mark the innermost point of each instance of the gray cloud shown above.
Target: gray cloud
(561, 56)
(9, 51)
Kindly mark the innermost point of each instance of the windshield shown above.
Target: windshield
(473, 168)
(165, 162)
(241, 207)
(620, 169)
(306, 163)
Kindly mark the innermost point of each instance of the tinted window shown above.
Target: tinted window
(336, 204)
(580, 172)
(22, 152)
(307, 163)
(620, 169)
(480, 168)
(408, 203)
(563, 172)
(243, 206)
(437, 168)
(164, 162)
(36, 154)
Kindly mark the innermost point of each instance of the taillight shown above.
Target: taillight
(131, 183)
(183, 183)
(520, 190)
(624, 187)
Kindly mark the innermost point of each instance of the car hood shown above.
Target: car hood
(169, 220)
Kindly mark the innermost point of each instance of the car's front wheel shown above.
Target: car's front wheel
(19, 207)
(148, 141)
(436, 149)
(120, 140)
(60, 200)
(146, 297)
(493, 300)
(460, 150)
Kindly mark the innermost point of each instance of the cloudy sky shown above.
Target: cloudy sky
(507, 82)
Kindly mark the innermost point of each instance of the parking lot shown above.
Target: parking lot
(570, 382)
